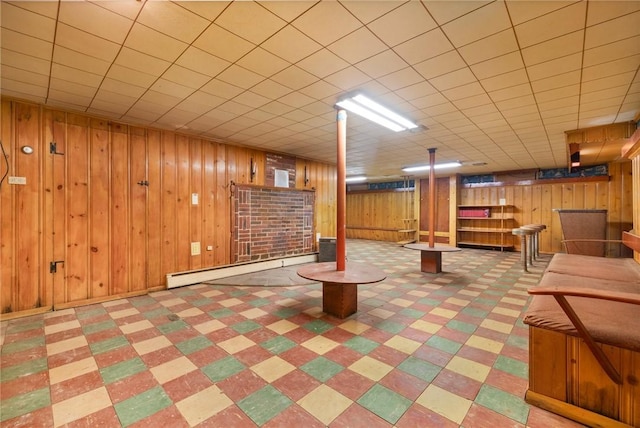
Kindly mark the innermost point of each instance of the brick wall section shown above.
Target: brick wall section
(272, 222)
(276, 161)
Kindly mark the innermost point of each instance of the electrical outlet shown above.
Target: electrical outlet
(18, 180)
(194, 199)
(209, 247)
(195, 248)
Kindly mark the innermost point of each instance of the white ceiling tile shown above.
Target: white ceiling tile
(499, 65)
(424, 46)
(26, 62)
(555, 24)
(555, 67)
(555, 48)
(223, 44)
(74, 75)
(612, 31)
(382, 64)
(610, 93)
(263, 62)
(515, 103)
(288, 10)
(92, 18)
(142, 62)
(176, 118)
(186, 77)
(440, 65)
(291, 45)
(202, 62)
(511, 92)
(80, 61)
(86, 43)
(250, 21)
(26, 22)
(416, 91)
(151, 42)
(464, 91)
(559, 103)
(429, 100)
(453, 79)
(200, 102)
(236, 108)
(326, 22)
(251, 99)
(600, 11)
(522, 11)
(348, 79)
(173, 20)
(611, 68)
(322, 63)
(60, 97)
(473, 101)
(19, 42)
(555, 82)
(444, 12)
(24, 76)
(119, 87)
(221, 89)
(599, 85)
(612, 51)
(296, 99)
(357, 46)
(127, 9)
(294, 77)
(130, 81)
(174, 89)
(462, 31)
(554, 94)
(403, 23)
(505, 80)
(320, 90)
(401, 79)
(493, 46)
(269, 88)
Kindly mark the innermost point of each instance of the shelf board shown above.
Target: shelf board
(484, 230)
(407, 230)
(481, 244)
(485, 206)
(409, 241)
(485, 218)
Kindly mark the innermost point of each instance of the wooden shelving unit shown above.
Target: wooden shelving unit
(407, 234)
(487, 226)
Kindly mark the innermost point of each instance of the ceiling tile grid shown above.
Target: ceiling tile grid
(495, 82)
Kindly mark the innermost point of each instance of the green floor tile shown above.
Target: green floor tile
(155, 313)
(237, 293)
(475, 312)
(25, 403)
(430, 302)
(361, 344)
(259, 302)
(420, 368)
(321, 368)
(318, 326)
(246, 326)
(286, 312)
(22, 345)
(264, 404)
(412, 313)
(444, 344)
(385, 403)
(222, 313)
(99, 326)
(14, 328)
(504, 403)
(222, 369)
(142, 405)
(140, 302)
(462, 326)
(108, 345)
(278, 344)
(172, 326)
(487, 302)
(518, 342)
(374, 303)
(510, 365)
(194, 344)
(24, 369)
(390, 326)
(122, 370)
(201, 302)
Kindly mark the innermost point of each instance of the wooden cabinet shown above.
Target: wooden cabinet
(487, 226)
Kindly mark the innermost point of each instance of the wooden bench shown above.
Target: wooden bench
(584, 339)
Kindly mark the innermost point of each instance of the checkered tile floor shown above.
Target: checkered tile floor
(423, 350)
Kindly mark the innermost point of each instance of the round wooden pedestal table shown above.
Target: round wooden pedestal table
(431, 257)
(340, 288)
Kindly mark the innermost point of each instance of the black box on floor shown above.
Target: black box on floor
(327, 250)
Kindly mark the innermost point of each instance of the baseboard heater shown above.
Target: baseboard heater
(191, 277)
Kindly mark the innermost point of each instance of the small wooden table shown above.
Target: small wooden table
(340, 288)
(431, 257)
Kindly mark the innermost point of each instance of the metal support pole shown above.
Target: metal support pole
(342, 191)
(432, 197)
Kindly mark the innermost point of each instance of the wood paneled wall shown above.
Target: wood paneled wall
(535, 203)
(84, 206)
(378, 215)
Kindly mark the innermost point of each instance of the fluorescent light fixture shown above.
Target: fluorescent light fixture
(436, 166)
(369, 109)
(355, 179)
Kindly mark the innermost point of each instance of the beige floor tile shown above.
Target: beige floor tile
(512, 301)
(497, 326)
(62, 313)
(418, 293)
(367, 293)
(403, 303)
(325, 403)
(469, 293)
(444, 313)
(66, 345)
(485, 344)
(124, 313)
(355, 327)
(402, 344)
(320, 345)
(273, 368)
(229, 303)
(191, 312)
(288, 302)
(457, 302)
(71, 370)
(371, 368)
(506, 311)
(468, 368)
(151, 345)
(63, 326)
(136, 326)
(253, 313)
(426, 326)
(236, 344)
(172, 369)
(314, 311)
(80, 406)
(264, 294)
(282, 326)
(203, 405)
(172, 302)
(212, 293)
(522, 293)
(444, 403)
(209, 326)
(381, 313)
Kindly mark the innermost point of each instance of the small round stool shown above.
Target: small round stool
(523, 233)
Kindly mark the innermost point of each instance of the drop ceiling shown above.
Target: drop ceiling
(495, 83)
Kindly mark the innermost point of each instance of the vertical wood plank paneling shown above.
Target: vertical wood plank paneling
(119, 213)
(169, 203)
(77, 257)
(154, 207)
(59, 214)
(208, 202)
(48, 203)
(223, 238)
(138, 218)
(196, 210)
(8, 287)
(99, 211)
(183, 208)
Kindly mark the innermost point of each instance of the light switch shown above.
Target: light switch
(17, 180)
(194, 199)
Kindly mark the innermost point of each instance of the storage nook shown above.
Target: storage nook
(486, 226)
